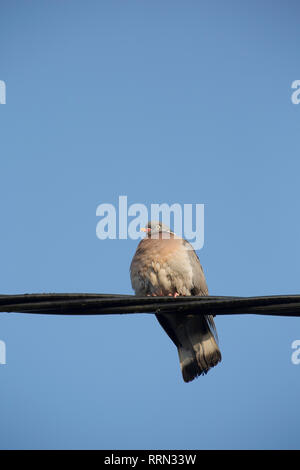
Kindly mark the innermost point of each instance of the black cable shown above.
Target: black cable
(111, 304)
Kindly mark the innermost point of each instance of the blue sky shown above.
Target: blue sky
(162, 101)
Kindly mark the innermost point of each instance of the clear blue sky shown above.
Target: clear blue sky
(162, 101)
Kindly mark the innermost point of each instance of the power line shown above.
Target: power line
(112, 304)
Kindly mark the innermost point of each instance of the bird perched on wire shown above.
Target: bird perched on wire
(163, 265)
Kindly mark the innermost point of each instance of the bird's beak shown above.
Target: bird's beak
(147, 230)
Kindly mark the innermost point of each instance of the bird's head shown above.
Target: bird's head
(153, 227)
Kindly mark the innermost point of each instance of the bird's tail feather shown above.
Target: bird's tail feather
(201, 352)
(196, 339)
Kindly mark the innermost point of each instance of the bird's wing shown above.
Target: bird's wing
(199, 281)
(194, 335)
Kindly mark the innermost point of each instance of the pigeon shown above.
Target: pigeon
(165, 264)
